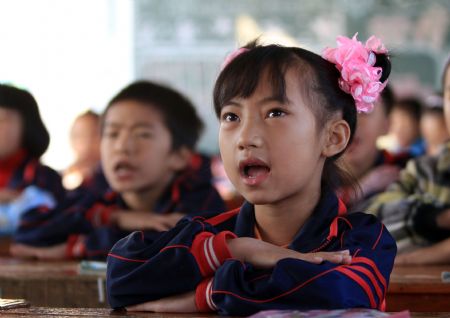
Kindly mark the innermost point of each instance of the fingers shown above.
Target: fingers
(338, 257)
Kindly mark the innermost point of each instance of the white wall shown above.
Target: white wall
(71, 54)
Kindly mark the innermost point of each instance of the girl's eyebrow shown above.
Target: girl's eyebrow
(265, 100)
(274, 98)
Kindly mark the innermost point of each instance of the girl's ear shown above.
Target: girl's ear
(180, 158)
(337, 137)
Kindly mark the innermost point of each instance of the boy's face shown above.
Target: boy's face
(10, 132)
(136, 148)
(447, 98)
(271, 150)
(362, 152)
(404, 127)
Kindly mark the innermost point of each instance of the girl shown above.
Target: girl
(24, 182)
(285, 115)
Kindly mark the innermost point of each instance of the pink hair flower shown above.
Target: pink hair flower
(359, 77)
(230, 57)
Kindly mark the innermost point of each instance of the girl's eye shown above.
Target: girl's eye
(229, 117)
(276, 113)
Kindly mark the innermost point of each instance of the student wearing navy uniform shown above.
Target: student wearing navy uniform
(25, 183)
(148, 135)
(286, 115)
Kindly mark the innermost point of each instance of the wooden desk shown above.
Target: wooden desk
(4, 246)
(104, 312)
(51, 284)
(418, 289)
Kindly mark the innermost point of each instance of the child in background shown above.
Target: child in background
(286, 115)
(417, 207)
(85, 142)
(24, 182)
(149, 134)
(432, 125)
(374, 169)
(405, 127)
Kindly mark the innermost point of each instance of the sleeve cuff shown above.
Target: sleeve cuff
(210, 251)
(203, 296)
(75, 246)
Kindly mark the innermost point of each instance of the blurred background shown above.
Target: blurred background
(74, 55)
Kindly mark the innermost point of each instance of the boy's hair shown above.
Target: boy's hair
(320, 87)
(179, 114)
(35, 138)
(411, 105)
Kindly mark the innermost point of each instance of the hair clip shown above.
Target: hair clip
(359, 76)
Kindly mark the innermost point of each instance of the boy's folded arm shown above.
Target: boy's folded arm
(297, 284)
(176, 262)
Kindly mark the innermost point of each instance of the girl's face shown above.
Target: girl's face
(271, 149)
(136, 148)
(11, 127)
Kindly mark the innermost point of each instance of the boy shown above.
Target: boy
(148, 135)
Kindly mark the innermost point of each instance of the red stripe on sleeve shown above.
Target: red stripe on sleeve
(361, 282)
(202, 296)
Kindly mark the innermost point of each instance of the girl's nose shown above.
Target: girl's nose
(250, 135)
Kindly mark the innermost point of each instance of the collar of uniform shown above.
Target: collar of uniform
(312, 233)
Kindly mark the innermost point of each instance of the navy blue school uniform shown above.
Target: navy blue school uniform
(39, 187)
(194, 256)
(85, 226)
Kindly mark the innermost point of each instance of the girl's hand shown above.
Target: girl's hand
(184, 303)
(55, 252)
(134, 221)
(265, 255)
(438, 253)
(8, 195)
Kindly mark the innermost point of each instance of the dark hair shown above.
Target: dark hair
(179, 114)
(411, 105)
(35, 138)
(387, 99)
(320, 78)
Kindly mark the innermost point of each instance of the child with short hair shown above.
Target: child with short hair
(286, 115)
(149, 133)
(85, 143)
(25, 183)
(405, 127)
(432, 125)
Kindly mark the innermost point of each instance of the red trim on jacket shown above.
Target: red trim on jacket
(9, 166)
(222, 217)
(203, 299)
(210, 251)
(361, 282)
